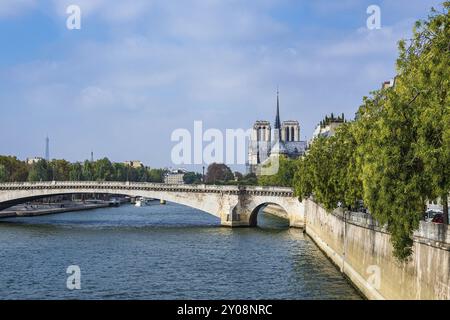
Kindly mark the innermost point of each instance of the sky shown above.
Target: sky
(138, 70)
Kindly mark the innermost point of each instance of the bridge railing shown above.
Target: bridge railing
(146, 185)
(112, 184)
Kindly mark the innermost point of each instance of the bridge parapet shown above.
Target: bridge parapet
(201, 188)
(235, 205)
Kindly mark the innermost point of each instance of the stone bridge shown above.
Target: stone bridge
(235, 206)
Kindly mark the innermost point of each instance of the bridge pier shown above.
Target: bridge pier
(234, 220)
(243, 210)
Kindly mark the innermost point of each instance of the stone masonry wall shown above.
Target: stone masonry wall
(363, 252)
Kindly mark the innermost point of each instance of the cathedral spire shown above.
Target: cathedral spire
(277, 118)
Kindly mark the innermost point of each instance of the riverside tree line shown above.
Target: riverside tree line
(12, 169)
(15, 170)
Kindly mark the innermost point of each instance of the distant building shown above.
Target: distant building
(134, 164)
(174, 177)
(34, 160)
(286, 141)
(328, 126)
(388, 84)
(436, 205)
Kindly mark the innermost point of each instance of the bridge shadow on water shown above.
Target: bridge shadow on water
(270, 222)
(127, 217)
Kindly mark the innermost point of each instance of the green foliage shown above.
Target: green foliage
(192, 178)
(40, 171)
(249, 179)
(76, 172)
(120, 172)
(330, 171)
(396, 154)
(219, 173)
(238, 176)
(103, 170)
(156, 175)
(13, 169)
(87, 171)
(425, 70)
(60, 170)
(284, 176)
(3, 173)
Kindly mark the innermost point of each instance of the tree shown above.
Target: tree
(120, 171)
(88, 171)
(192, 178)
(409, 155)
(284, 176)
(15, 169)
(346, 171)
(141, 174)
(249, 179)
(76, 172)
(39, 171)
(392, 174)
(3, 173)
(156, 175)
(60, 170)
(103, 170)
(238, 176)
(424, 71)
(218, 173)
(315, 176)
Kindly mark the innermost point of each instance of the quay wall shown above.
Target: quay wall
(46, 211)
(362, 251)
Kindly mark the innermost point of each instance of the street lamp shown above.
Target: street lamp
(203, 175)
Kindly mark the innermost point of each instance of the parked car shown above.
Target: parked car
(430, 214)
(438, 218)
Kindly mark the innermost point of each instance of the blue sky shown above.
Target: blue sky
(137, 70)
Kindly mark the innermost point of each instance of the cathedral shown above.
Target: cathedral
(285, 141)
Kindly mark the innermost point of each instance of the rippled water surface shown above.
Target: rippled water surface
(162, 252)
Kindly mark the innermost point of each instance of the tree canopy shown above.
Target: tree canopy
(14, 170)
(284, 176)
(395, 155)
(192, 178)
(218, 173)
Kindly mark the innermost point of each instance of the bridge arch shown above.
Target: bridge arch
(187, 201)
(253, 220)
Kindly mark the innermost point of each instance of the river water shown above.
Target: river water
(162, 252)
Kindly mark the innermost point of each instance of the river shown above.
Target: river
(162, 252)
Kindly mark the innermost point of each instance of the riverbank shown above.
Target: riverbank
(362, 250)
(40, 210)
